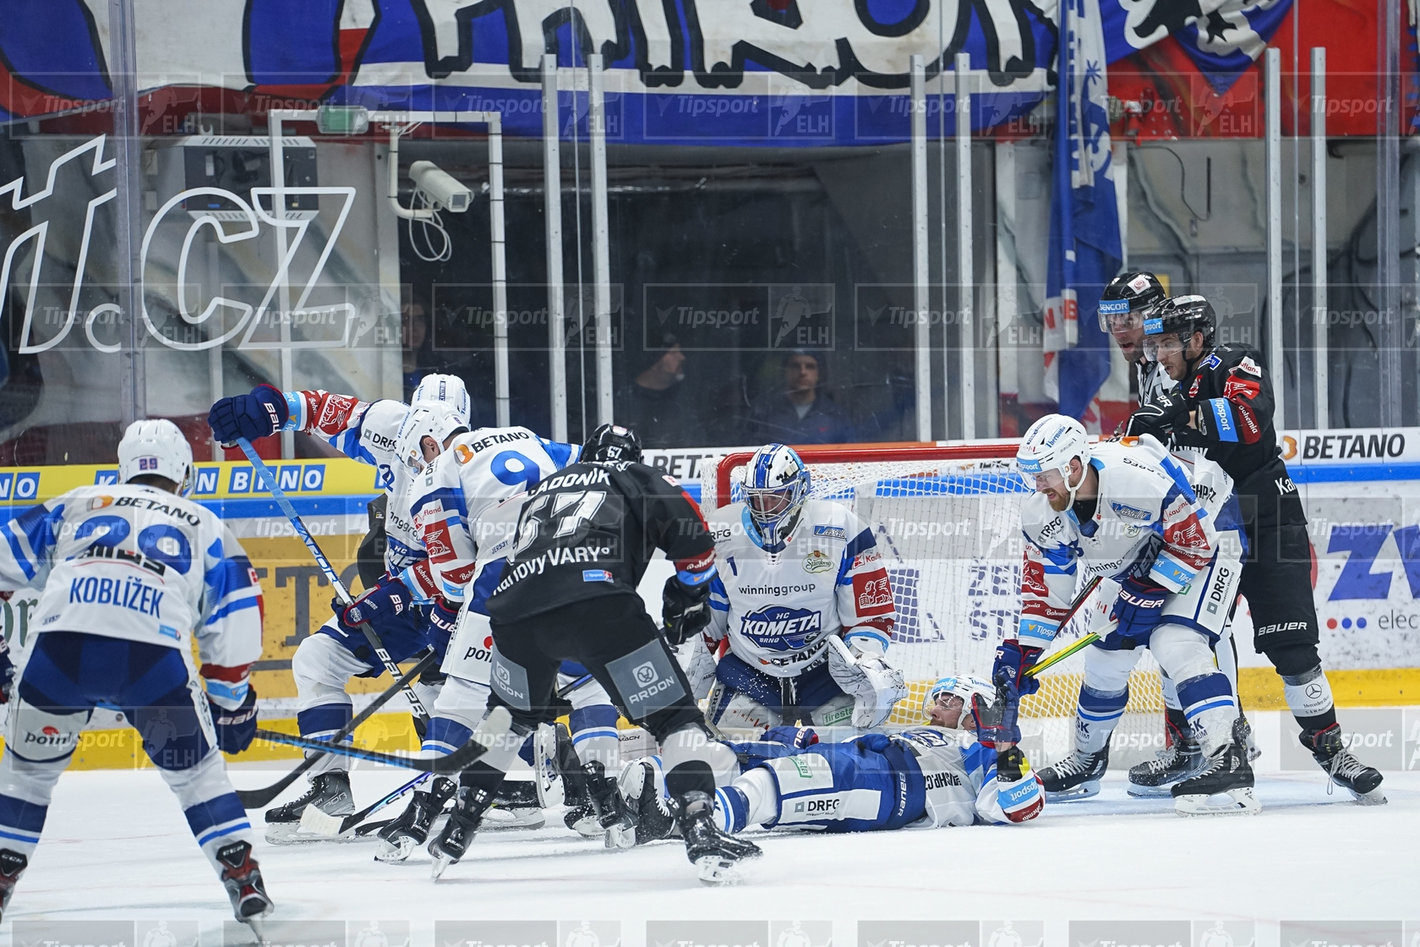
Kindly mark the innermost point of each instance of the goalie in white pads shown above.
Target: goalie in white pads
(918, 776)
(791, 574)
(129, 574)
(1128, 513)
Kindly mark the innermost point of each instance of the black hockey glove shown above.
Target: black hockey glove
(996, 722)
(685, 609)
(1160, 415)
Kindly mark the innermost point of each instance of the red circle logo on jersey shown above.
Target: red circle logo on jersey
(488, 642)
(49, 731)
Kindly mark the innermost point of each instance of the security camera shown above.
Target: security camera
(441, 186)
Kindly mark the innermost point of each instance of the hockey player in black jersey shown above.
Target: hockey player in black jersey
(1223, 404)
(568, 592)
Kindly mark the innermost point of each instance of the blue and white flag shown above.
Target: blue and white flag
(1084, 217)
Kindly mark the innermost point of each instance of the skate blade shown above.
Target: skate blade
(1148, 792)
(1240, 801)
(1074, 793)
(588, 827)
(289, 833)
(441, 865)
(620, 837)
(719, 870)
(396, 851)
(1373, 798)
(257, 928)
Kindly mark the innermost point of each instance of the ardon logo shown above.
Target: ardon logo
(645, 674)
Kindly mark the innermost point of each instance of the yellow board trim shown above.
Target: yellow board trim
(1261, 690)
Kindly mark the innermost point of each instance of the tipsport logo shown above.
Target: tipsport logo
(498, 934)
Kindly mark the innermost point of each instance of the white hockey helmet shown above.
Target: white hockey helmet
(443, 389)
(1050, 444)
(156, 447)
(775, 489)
(434, 419)
(963, 686)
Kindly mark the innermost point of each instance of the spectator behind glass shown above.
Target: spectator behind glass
(654, 404)
(417, 347)
(801, 413)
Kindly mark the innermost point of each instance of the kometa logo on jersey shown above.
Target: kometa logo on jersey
(780, 628)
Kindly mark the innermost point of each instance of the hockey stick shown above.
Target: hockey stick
(498, 719)
(1084, 641)
(256, 798)
(416, 706)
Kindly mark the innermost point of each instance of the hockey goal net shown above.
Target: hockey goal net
(947, 523)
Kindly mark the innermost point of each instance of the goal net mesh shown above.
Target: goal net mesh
(947, 523)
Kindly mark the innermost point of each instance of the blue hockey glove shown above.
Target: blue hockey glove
(1138, 608)
(261, 413)
(1016, 659)
(390, 597)
(796, 737)
(996, 721)
(236, 727)
(443, 619)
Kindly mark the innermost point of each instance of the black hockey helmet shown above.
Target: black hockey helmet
(1182, 316)
(612, 443)
(1128, 297)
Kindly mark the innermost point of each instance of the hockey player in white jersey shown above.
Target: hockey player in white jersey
(1124, 305)
(398, 603)
(1128, 513)
(792, 572)
(917, 776)
(127, 575)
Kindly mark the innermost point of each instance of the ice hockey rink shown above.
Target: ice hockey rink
(118, 866)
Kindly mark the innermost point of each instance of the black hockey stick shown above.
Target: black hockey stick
(256, 798)
(416, 706)
(499, 720)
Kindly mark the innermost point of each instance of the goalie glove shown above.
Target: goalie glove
(685, 609)
(874, 685)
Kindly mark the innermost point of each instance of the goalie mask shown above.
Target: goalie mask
(437, 389)
(1050, 445)
(942, 711)
(156, 448)
(435, 419)
(775, 489)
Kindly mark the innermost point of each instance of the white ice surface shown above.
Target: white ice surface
(116, 846)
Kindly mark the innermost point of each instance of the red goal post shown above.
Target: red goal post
(946, 521)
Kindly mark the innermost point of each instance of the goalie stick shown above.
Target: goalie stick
(257, 798)
(498, 719)
(416, 706)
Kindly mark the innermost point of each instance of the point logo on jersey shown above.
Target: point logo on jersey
(780, 628)
(872, 594)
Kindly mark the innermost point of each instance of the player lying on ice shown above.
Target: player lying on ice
(927, 776)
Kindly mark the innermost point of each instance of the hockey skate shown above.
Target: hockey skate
(463, 823)
(241, 876)
(1225, 773)
(329, 792)
(645, 799)
(515, 806)
(1180, 760)
(1329, 750)
(400, 837)
(601, 806)
(12, 865)
(1077, 776)
(715, 855)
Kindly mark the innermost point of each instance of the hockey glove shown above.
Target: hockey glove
(685, 609)
(1137, 609)
(389, 597)
(261, 413)
(1016, 659)
(874, 686)
(996, 721)
(798, 738)
(236, 726)
(701, 669)
(443, 619)
(1159, 415)
(7, 673)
